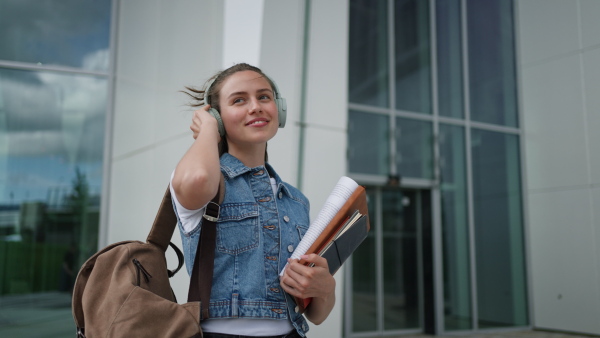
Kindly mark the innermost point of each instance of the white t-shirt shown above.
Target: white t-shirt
(237, 326)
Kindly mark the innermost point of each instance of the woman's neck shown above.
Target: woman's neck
(250, 156)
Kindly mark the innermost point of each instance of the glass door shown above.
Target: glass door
(389, 283)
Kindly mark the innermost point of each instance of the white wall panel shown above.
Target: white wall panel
(548, 28)
(554, 124)
(591, 74)
(328, 65)
(324, 165)
(560, 78)
(326, 108)
(136, 62)
(132, 204)
(590, 25)
(596, 253)
(133, 119)
(137, 42)
(565, 284)
(326, 118)
(242, 27)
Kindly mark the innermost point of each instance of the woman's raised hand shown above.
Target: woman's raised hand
(201, 118)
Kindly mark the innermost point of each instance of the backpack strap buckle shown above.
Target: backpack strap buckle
(211, 212)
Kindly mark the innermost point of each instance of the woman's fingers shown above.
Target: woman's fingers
(303, 281)
(197, 120)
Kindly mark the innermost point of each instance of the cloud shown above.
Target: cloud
(49, 113)
(55, 32)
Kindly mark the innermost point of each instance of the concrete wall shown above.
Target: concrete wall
(559, 61)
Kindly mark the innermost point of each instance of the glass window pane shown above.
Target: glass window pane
(368, 143)
(499, 252)
(364, 277)
(51, 154)
(412, 53)
(414, 147)
(70, 33)
(368, 79)
(492, 77)
(449, 58)
(455, 229)
(401, 296)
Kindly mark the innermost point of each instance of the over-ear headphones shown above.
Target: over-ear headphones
(279, 103)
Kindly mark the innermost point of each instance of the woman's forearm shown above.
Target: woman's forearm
(197, 175)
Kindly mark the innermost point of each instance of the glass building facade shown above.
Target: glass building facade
(435, 135)
(54, 88)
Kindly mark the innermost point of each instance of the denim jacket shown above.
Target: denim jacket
(256, 234)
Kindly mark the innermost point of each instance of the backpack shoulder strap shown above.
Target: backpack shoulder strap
(166, 220)
(202, 271)
(164, 223)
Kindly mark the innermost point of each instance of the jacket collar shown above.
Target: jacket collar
(232, 168)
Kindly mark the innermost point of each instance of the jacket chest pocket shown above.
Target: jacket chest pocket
(302, 229)
(237, 228)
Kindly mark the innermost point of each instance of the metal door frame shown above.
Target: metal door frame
(418, 188)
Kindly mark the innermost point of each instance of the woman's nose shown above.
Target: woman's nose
(254, 106)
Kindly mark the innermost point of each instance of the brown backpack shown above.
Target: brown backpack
(123, 290)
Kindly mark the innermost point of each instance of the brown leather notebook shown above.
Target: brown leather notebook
(356, 202)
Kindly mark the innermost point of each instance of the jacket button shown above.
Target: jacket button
(258, 173)
(290, 248)
(280, 195)
(286, 218)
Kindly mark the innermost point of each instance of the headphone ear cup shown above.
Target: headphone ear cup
(215, 113)
(282, 111)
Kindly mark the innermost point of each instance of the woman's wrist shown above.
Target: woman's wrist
(210, 131)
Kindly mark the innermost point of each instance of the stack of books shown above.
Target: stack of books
(340, 227)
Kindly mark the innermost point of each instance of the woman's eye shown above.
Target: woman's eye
(238, 100)
(265, 97)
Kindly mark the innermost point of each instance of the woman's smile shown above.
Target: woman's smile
(258, 122)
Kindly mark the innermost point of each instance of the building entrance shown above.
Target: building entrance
(389, 287)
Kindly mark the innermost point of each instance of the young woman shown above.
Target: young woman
(262, 218)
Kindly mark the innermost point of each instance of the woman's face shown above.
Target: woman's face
(248, 109)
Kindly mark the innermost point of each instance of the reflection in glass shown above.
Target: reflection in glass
(499, 252)
(364, 277)
(492, 69)
(455, 231)
(368, 81)
(413, 59)
(414, 147)
(69, 33)
(449, 58)
(368, 143)
(401, 308)
(51, 152)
